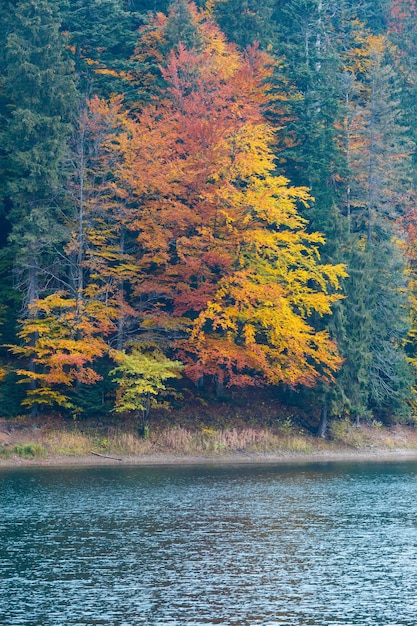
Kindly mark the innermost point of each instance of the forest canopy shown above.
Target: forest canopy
(211, 195)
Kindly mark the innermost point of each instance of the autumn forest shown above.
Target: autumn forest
(208, 197)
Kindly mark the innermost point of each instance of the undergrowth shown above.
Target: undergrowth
(202, 438)
(29, 450)
(178, 440)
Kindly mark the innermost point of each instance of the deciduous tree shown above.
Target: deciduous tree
(223, 253)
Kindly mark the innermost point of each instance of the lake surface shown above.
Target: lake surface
(318, 544)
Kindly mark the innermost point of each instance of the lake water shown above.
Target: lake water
(318, 544)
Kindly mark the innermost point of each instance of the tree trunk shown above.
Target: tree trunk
(144, 428)
(122, 318)
(322, 427)
(33, 295)
(219, 388)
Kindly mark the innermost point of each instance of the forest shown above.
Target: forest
(208, 197)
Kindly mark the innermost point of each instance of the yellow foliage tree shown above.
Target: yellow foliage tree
(68, 339)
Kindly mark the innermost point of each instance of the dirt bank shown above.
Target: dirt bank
(64, 444)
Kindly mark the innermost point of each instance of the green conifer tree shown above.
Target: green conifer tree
(375, 378)
(101, 35)
(351, 148)
(38, 98)
(247, 21)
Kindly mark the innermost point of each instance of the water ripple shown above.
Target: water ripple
(314, 545)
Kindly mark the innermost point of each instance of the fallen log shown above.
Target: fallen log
(105, 456)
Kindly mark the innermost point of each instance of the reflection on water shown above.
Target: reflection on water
(308, 545)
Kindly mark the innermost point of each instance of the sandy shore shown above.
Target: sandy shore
(94, 460)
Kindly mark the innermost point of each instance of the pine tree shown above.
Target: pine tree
(101, 35)
(245, 22)
(375, 377)
(39, 91)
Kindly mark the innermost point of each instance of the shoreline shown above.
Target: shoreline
(58, 445)
(279, 458)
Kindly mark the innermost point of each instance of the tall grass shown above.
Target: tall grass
(210, 441)
(177, 440)
(372, 435)
(68, 443)
(205, 441)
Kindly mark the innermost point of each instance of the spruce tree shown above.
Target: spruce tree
(102, 35)
(402, 32)
(351, 147)
(181, 27)
(375, 378)
(39, 95)
(245, 22)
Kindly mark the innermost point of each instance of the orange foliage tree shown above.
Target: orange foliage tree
(184, 235)
(228, 269)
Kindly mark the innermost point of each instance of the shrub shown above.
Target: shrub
(343, 431)
(29, 450)
(5, 452)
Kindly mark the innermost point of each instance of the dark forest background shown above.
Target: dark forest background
(134, 267)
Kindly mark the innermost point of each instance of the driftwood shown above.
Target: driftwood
(105, 456)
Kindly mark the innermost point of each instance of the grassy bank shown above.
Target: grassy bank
(56, 439)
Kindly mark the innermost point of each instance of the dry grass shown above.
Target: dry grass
(129, 444)
(393, 438)
(210, 442)
(373, 436)
(177, 440)
(68, 443)
(123, 439)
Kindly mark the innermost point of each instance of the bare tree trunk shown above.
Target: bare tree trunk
(144, 428)
(372, 149)
(219, 387)
(121, 322)
(32, 296)
(322, 427)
